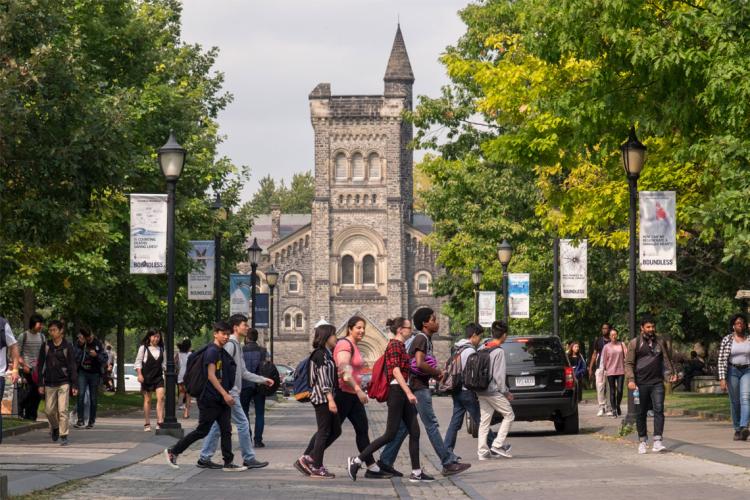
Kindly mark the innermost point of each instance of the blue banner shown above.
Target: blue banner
(239, 294)
(261, 310)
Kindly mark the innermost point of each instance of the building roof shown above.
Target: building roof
(399, 67)
(423, 222)
(288, 224)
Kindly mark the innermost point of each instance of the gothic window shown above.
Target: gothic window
(358, 167)
(288, 321)
(341, 167)
(368, 270)
(356, 199)
(423, 283)
(298, 319)
(347, 270)
(374, 167)
(293, 284)
(374, 198)
(341, 199)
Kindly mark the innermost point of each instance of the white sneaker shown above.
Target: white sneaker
(609, 413)
(486, 456)
(643, 448)
(658, 446)
(601, 412)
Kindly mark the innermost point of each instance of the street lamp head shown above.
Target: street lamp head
(272, 277)
(633, 155)
(476, 275)
(216, 205)
(254, 252)
(171, 158)
(504, 253)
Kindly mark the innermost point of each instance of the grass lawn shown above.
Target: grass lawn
(108, 401)
(714, 403)
(11, 422)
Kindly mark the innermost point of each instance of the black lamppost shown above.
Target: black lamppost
(556, 286)
(633, 157)
(254, 253)
(171, 160)
(504, 254)
(220, 216)
(272, 277)
(476, 278)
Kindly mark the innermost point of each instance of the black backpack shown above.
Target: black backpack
(195, 375)
(478, 370)
(268, 370)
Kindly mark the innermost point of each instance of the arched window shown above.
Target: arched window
(347, 270)
(293, 284)
(298, 321)
(374, 198)
(341, 167)
(288, 321)
(358, 167)
(356, 199)
(373, 164)
(423, 283)
(368, 270)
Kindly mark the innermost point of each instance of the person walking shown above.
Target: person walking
(401, 404)
(254, 356)
(150, 365)
(8, 351)
(646, 363)
(577, 361)
(423, 366)
(215, 402)
(29, 343)
(497, 397)
(57, 374)
(238, 324)
(323, 381)
(596, 370)
(91, 363)
(613, 360)
(109, 379)
(734, 374)
(183, 352)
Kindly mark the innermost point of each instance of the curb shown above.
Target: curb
(704, 415)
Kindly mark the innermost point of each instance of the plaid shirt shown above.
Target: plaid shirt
(396, 356)
(724, 352)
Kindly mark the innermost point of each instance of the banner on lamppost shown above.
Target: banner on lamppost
(658, 233)
(239, 294)
(573, 269)
(518, 295)
(487, 304)
(148, 233)
(260, 310)
(201, 278)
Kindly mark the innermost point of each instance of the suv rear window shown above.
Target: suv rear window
(539, 351)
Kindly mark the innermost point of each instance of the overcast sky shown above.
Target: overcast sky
(274, 52)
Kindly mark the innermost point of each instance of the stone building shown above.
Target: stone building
(361, 250)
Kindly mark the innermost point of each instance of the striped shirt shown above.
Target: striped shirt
(30, 344)
(322, 376)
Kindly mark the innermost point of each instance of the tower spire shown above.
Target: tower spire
(399, 67)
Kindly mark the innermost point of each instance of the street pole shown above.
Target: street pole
(632, 291)
(270, 317)
(556, 287)
(217, 275)
(476, 304)
(253, 277)
(506, 305)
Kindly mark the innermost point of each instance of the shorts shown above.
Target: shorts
(153, 386)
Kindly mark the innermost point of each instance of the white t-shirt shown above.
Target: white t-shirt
(10, 340)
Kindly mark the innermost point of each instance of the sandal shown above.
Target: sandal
(147, 427)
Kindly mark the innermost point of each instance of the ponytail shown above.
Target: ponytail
(395, 323)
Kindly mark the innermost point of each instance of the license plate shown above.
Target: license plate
(525, 382)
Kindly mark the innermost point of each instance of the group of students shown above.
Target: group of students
(335, 367)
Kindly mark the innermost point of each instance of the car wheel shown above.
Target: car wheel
(472, 427)
(567, 425)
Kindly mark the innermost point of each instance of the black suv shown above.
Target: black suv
(541, 379)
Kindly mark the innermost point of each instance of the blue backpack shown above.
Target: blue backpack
(301, 384)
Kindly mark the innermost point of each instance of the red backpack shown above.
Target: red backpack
(379, 382)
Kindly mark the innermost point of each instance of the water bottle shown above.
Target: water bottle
(636, 397)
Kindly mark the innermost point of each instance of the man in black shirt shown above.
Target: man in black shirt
(56, 366)
(91, 362)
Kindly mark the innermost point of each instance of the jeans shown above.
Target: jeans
(208, 416)
(463, 401)
(2, 392)
(87, 382)
(738, 383)
(249, 394)
(430, 422)
(652, 398)
(239, 417)
(615, 391)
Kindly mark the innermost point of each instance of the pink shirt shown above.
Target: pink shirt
(356, 362)
(613, 358)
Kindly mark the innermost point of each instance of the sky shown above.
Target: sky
(274, 52)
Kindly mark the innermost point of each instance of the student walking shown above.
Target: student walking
(613, 360)
(57, 374)
(323, 380)
(578, 363)
(182, 355)
(254, 356)
(401, 404)
(215, 402)
(596, 370)
(734, 374)
(646, 363)
(150, 365)
(91, 362)
(29, 343)
(497, 397)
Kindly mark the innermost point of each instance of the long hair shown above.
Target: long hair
(395, 323)
(322, 333)
(570, 349)
(353, 322)
(147, 338)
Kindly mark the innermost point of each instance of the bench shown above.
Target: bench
(705, 384)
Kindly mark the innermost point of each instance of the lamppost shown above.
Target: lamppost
(171, 160)
(556, 286)
(254, 253)
(633, 157)
(476, 278)
(221, 214)
(272, 277)
(504, 254)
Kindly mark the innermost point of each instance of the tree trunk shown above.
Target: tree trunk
(28, 305)
(120, 357)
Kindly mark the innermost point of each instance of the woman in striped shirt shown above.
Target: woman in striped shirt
(323, 383)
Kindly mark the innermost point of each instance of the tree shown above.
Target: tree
(295, 199)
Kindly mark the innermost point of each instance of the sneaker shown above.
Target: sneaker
(452, 469)
(658, 446)
(503, 451)
(737, 436)
(609, 413)
(55, 434)
(171, 458)
(260, 444)
(389, 469)
(486, 456)
(208, 464)
(421, 478)
(321, 473)
(301, 468)
(147, 427)
(642, 448)
(379, 474)
(744, 433)
(352, 467)
(230, 467)
(90, 426)
(64, 441)
(254, 464)
(79, 424)
(601, 412)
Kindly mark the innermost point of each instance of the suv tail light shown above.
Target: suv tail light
(570, 381)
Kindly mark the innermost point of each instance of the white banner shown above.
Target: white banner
(658, 234)
(518, 295)
(148, 233)
(573, 269)
(201, 278)
(239, 294)
(487, 304)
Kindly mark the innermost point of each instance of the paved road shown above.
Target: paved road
(544, 465)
